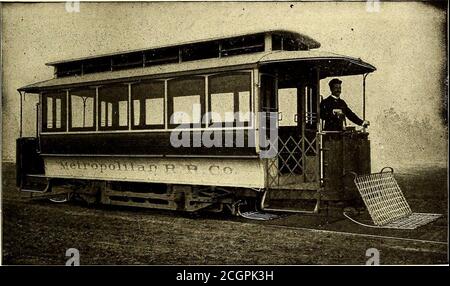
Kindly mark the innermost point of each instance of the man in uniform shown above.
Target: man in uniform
(334, 110)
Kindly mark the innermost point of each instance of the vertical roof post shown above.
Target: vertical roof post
(364, 98)
(267, 42)
(364, 95)
(21, 110)
(318, 98)
(37, 120)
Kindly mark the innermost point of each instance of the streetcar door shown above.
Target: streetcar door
(269, 102)
(288, 110)
(289, 131)
(298, 125)
(269, 111)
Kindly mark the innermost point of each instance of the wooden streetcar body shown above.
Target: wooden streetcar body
(125, 129)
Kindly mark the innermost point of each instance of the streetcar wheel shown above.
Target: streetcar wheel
(61, 198)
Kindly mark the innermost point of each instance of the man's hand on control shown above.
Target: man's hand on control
(338, 113)
(365, 123)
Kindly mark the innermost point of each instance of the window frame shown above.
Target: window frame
(99, 113)
(144, 126)
(61, 94)
(92, 128)
(236, 122)
(170, 109)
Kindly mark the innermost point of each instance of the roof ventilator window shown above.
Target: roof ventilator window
(128, 61)
(161, 56)
(242, 45)
(97, 65)
(190, 52)
(200, 51)
(68, 69)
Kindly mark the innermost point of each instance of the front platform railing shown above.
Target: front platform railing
(297, 163)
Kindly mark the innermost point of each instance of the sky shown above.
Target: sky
(406, 42)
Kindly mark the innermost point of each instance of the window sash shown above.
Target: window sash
(184, 87)
(54, 112)
(146, 115)
(239, 84)
(113, 107)
(86, 100)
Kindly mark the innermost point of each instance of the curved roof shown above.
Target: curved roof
(330, 64)
(310, 42)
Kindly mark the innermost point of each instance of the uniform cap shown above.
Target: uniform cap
(334, 81)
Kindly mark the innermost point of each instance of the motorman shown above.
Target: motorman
(334, 110)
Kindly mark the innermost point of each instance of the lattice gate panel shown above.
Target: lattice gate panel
(296, 162)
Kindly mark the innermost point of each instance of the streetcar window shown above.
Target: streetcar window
(268, 93)
(286, 43)
(113, 111)
(69, 69)
(200, 51)
(277, 42)
(222, 107)
(162, 56)
(49, 112)
(186, 109)
(148, 105)
(229, 97)
(291, 45)
(287, 106)
(243, 45)
(82, 109)
(97, 65)
(106, 111)
(244, 106)
(310, 107)
(123, 113)
(127, 61)
(186, 100)
(54, 111)
(154, 111)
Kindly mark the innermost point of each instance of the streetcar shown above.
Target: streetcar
(213, 124)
